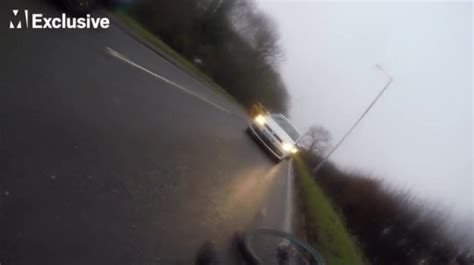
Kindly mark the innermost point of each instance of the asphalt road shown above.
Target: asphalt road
(103, 162)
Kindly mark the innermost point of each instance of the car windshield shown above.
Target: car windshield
(286, 126)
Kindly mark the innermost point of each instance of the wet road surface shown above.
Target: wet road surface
(102, 162)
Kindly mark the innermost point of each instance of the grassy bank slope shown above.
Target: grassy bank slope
(156, 42)
(324, 228)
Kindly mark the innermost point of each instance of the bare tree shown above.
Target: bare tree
(266, 40)
(237, 44)
(316, 140)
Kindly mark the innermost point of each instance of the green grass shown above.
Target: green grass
(323, 226)
(154, 40)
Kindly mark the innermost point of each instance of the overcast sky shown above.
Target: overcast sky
(419, 135)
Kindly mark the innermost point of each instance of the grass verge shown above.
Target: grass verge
(154, 40)
(323, 227)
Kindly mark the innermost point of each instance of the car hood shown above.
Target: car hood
(279, 131)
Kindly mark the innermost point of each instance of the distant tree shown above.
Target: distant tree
(464, 258)
(266, 41)
(317, 140)
(237, 45)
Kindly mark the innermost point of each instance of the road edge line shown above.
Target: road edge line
(121, 57)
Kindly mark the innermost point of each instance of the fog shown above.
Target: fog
(418, 137)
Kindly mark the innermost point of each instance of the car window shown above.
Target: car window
(286, 126)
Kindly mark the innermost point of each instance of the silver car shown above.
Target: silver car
(276, 133)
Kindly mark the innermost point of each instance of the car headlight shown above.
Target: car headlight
(260, 119)
(287, 147)
(294, 150)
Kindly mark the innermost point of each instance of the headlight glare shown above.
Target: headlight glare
(260, 120)
(294, 150)
(287, 147)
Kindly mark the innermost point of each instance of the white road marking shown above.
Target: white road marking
(125, 59)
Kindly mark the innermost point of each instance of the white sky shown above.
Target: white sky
(419, 135)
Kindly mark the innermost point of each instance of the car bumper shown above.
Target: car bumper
(267, 142)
